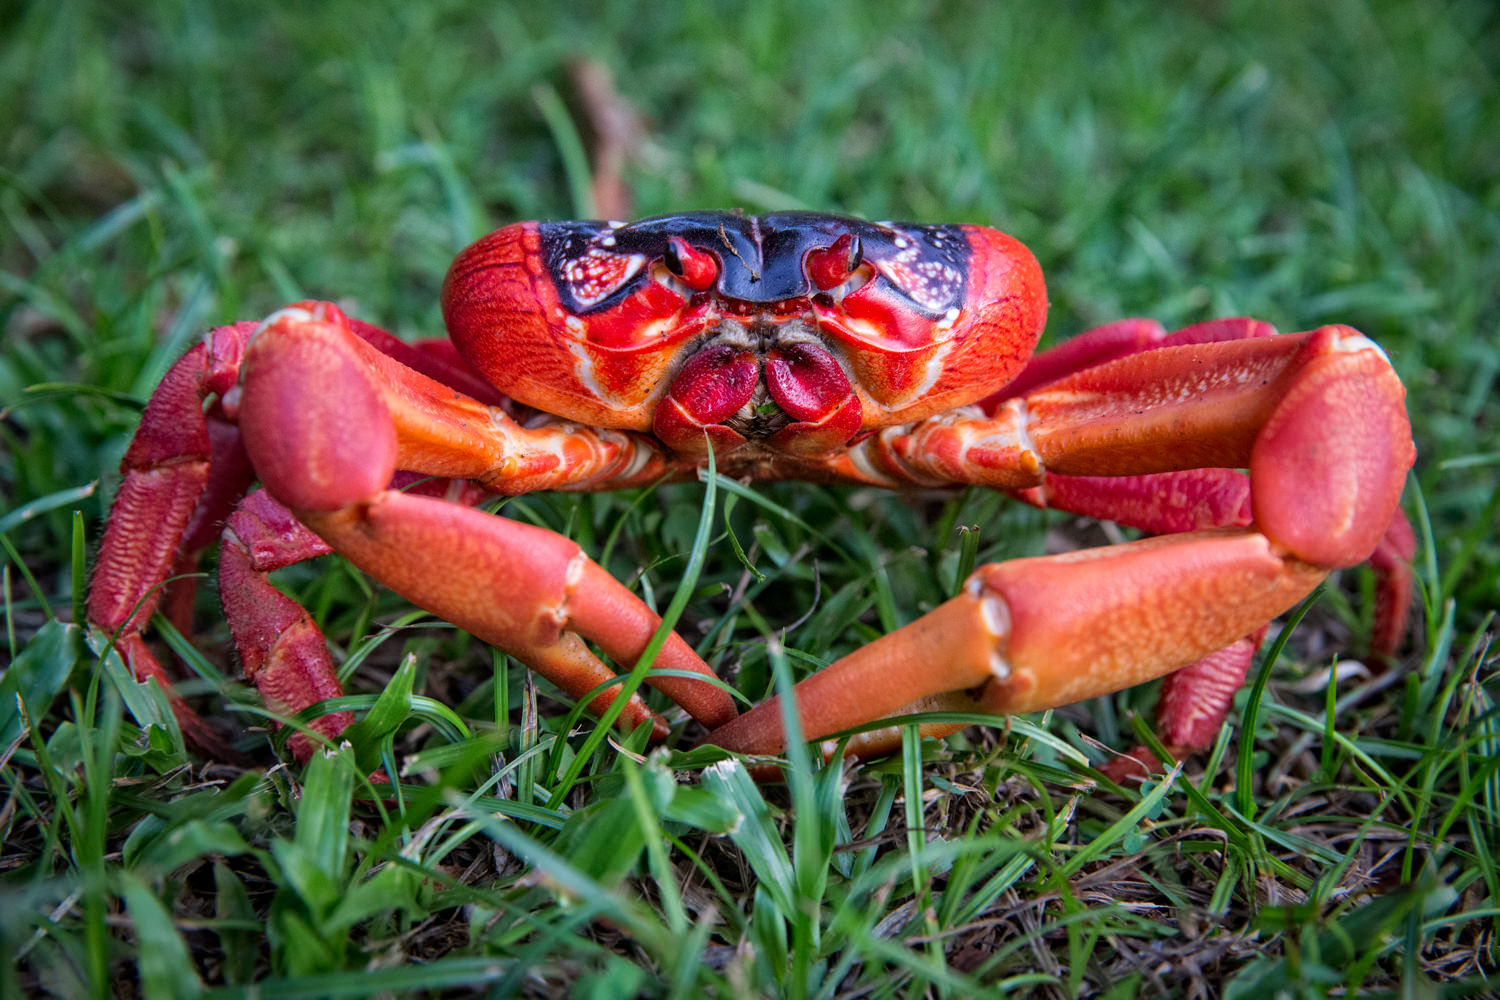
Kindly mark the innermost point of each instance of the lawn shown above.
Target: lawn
(166, 167)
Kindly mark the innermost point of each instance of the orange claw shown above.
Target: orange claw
(522, 588)
(1032, 634)
(326, 435)
(1328, 468)
(327, 415)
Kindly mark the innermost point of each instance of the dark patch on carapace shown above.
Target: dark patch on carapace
(762, 258)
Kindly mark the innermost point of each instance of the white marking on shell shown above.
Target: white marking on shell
(1353, 343)
(575, 569)
(596, 274)
(932, 284)
(294, 314)
(583, 367)
(932, 369)
(640, 456)
(1022, 427)
(859, 457)
(996, 614)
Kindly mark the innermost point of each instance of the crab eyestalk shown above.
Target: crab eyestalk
(695, 268)
(831, 267)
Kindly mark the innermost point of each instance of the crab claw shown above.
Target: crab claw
(327, 437)
(1038, 633)
(1319, 420)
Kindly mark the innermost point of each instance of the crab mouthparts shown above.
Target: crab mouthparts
(792, 396)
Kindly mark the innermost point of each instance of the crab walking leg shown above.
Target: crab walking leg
(281, 648)
(230, 478)
(521, 588)
(1032, 634)
(1084, 350)
(1394, 583)
(1117, 340)
(165, 472)
(329, 420)
(173, 482)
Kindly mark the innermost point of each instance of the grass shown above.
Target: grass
(181, 165)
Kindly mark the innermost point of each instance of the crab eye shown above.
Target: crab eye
(835, 265)
(693, 267)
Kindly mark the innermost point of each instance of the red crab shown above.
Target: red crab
(798, 346)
